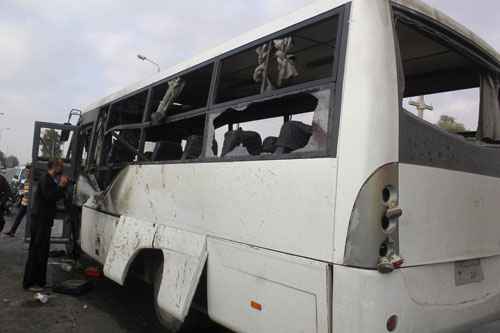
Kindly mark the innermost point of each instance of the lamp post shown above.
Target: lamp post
(144, 58)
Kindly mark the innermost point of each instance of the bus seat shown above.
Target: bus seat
(293, 135)
(252, 142)
(231, 141)
(167, 151)
(120, 154)
(249, 139)
(269, 144)
(193, 148)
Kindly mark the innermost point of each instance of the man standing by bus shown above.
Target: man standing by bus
(50, 189)
(23, 209)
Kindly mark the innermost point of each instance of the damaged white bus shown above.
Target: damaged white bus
(279, 183)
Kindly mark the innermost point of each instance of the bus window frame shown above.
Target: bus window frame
(334, 82)
(265, 97)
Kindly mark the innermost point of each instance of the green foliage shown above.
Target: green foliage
(50, 145)
(8, 161)
(450, 124)
(2, 160)
(11, 161)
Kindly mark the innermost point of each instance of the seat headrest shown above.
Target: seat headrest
(294, 135)
(249, 139)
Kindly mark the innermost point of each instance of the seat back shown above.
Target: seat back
(293, 135)
(194, 146)
(248, 139)
(167, 151)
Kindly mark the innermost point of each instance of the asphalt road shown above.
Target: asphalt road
(107, 308)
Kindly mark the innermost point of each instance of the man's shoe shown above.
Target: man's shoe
(10, 234)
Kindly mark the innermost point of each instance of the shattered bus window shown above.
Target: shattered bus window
(175, 141)
(191, 92)
(125, 141)
(441, 84)
(296, 123)
(298, 57)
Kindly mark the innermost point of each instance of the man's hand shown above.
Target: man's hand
(64, 181)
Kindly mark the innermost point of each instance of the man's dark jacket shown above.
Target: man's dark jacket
(47, 193)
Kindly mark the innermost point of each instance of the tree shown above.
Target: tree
(51, 145)
(2, 160)
(449, 124)
(11, 162)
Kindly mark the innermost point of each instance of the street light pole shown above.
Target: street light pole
(144, 58)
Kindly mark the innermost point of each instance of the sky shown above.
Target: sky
(59, 54)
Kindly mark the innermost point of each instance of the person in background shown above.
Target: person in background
(50, 189)
(24, 203)
(5, 194)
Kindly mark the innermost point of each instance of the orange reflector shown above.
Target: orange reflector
(256, 306)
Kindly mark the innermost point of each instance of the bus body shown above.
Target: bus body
(280, 177)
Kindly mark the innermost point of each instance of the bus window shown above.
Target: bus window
(301, 56)
(123, 140)
(100, 144)
(175, 141)
(191, 96)
(84, 141)
(297, 123)
(53, 146)
(441, 85)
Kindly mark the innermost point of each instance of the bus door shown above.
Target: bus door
(55, 141)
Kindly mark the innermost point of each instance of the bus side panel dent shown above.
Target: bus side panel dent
(130, 237)
(184, 256)
(97, 232)
(255, 290)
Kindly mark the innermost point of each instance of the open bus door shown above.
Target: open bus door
(56, 141)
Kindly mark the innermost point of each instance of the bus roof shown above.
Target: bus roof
(307, 12)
